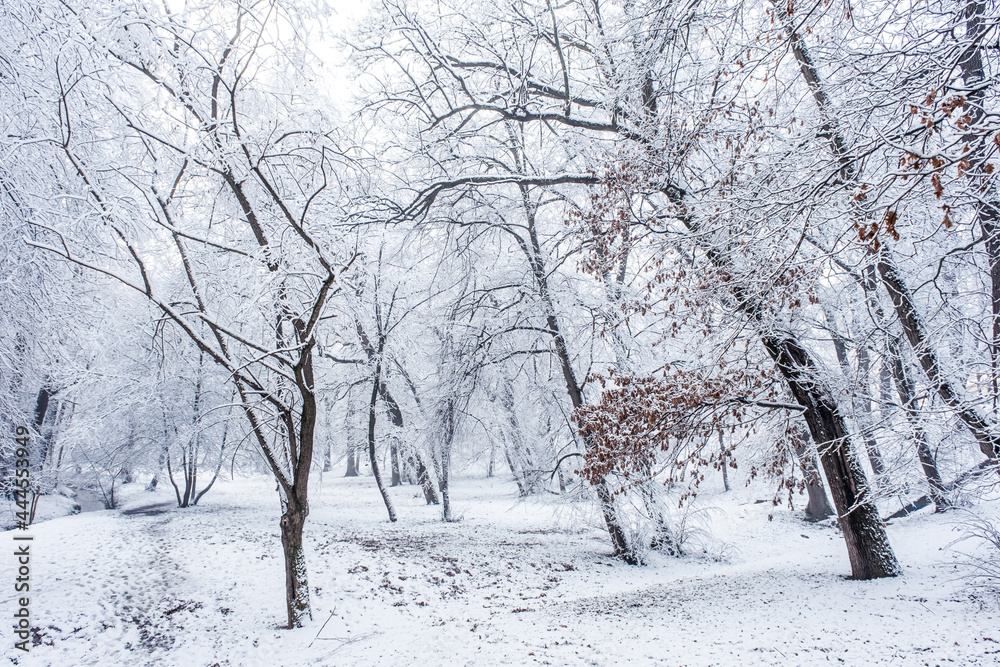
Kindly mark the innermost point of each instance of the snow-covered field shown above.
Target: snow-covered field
(512, 583)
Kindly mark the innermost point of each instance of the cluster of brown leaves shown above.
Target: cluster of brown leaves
(870, 232)
(607, 224)
(645, 425)
(944, 117)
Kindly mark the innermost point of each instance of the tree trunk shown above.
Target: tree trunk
(987, 207)
(907, 397)
(218, 467)
(444, 476)
(396, 417)
(522, 492)
(724, 459)
(173, 482)
(352, 463)
(426, 483)
(533, 253)
(818, 507)
(397, 477)
(327, 458)
(372, 454)
(913, 327)
(902, 299)
(868, 547)
(293, 519)
(864, 412)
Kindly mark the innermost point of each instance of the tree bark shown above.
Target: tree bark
(293, 519)
(723, 458)
(447, 437)
(426, 483)
(868, 547)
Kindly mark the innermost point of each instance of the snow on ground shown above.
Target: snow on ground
(512, 583)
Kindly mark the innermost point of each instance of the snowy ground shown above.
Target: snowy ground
(512, 583)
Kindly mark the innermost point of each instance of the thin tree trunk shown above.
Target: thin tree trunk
(533, 253)
(445, 470)
(327, 459)
(397, 477)
(724, 459)
(426, 483)
(913, 327)
(187, 478)
(522, 492)
(907, 397)
(864, 410)
(863, 405)
(372, 454)
(293, 519)
(170, 475)
(352, 463)
(396, 418)
(215, 476)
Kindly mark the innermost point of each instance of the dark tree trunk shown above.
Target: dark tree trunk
(41, 407)
(352, 462)
(619, 541)
(372, 453)
(396, 418)
(987, 206)
(868, 547)
(187, 481)
(818, 507)
(913, 327)
(293, 520)
(173, 482)
(426, 483)
(902, 299)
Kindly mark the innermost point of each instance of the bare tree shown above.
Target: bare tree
(215, 147)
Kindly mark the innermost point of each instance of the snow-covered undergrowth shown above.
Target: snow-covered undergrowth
(513, 582)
